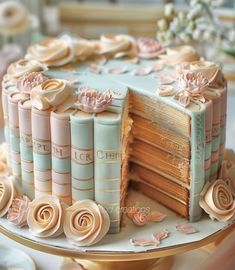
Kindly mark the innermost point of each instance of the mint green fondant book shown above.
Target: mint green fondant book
(82, 155)
(107, 143)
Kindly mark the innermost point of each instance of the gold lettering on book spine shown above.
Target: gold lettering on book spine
(82, 156)
(42, 147)
(109, 156)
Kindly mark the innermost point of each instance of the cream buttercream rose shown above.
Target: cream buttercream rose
(84, 48)
(53, 94)
(117, 46)
(52, 52)
(210, 70)
(217, 200)
(7, 194)
(45, 217)
(19, 68)
(177, 55)
(86, 223)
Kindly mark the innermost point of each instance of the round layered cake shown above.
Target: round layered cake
(86, 121)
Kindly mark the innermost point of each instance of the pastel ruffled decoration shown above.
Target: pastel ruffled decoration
(52, 52)
(29, 80)
(19, 68)
(217, 200)
(149, 48)
(53, 94)
(91, 100)
(209, 70)
(140, 218)
(17, 214)
(86, 223)
(117, 46)
(45, 217)
(177, 55)
(7, 194)
(13, 17)
(194, 85)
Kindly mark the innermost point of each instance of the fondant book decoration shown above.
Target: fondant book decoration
(61, 155)
(215, 97)
(13, 100)
(41, 135)
(26, 147)
(82, 152)
(7, 88)
(208, 138)
(107, 143)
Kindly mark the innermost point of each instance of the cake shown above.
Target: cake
(88, 119)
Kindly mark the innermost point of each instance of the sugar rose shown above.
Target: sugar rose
(117, 45)
(53, 94)
(7, 193)
(217, 200)
(52, 52)
(177, 55)
(86, 223)
(149, 48)
(45, 217)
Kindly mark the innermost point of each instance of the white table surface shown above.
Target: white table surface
(184, 261)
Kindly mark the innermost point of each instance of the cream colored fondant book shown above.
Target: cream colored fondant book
(61, 155)
(107, 142)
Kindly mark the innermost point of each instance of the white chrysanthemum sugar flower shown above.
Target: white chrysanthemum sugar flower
(194, 12)
(162, 25)
(182, 16)
(169, 10)
(184, 37)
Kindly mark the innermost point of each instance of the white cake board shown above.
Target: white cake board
(121, 242)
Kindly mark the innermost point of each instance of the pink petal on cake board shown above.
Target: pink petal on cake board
(143, 71)
(156, 216)
(186, 229)
(166, 79)
(158, 236)
(144, 242)
(95, 68)
(117, 70)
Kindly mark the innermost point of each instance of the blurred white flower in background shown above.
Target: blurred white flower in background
(14, 17)
(196, 24)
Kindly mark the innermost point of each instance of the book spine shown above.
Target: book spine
(223, 124)
(208, 138)
(14, 134)
(26, 148)
(82, 161)
(197, 163)
(61, 157)
(107, 142)
(41, 135)
(5, 93)
(215, 136)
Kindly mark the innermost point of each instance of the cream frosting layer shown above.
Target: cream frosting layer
(86, 223)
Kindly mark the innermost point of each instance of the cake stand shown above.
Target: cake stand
(115, 252)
